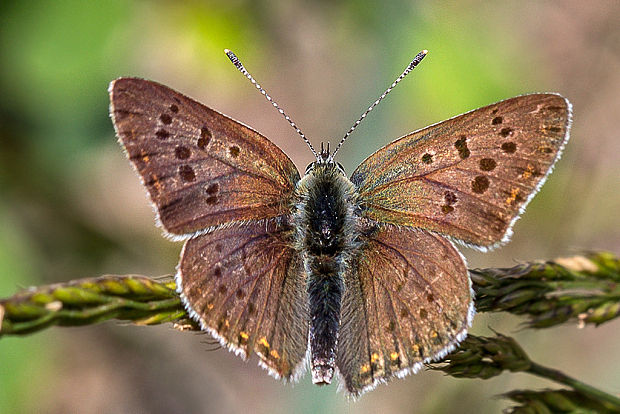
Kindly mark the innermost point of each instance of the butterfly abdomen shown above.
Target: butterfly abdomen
(326, 236)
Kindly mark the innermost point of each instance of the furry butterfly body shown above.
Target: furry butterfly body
(358, 276)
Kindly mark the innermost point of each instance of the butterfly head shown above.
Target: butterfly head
(313, 166)
(325, 160)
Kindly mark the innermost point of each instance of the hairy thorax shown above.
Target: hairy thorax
(325, 221)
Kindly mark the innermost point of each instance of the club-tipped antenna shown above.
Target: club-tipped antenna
(235, 61)
(416, 60)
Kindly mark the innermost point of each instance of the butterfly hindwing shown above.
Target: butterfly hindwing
(245, 285)
(407, 301)
(201, 168)
(474, 188)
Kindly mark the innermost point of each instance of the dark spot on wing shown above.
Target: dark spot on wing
(165, 119)
(217, 271)
(450, 198)
(487, 164)
(162, 134)
(213, 188)
(187, 173)
(447, 209)
(222, 289)
(182, 152)
(251, 308)
(174, 108)
(497, 120)
(423, 313)
(505, 132)
(427, 158)
(430, 297)
(234, 151)
(480, 184)
(212, 200)
(239, 294)
(205, 137)
(553, 129)
(509, 147)
(461, 146)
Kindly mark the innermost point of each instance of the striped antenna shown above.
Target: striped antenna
(409, 68)
(233, 58)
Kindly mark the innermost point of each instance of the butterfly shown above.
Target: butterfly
(355, 276)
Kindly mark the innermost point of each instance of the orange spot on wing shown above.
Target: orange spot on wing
(528, 173)
(514, 193)
(263, 341)
(155, 181)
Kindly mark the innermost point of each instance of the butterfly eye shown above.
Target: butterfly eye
(310, 167)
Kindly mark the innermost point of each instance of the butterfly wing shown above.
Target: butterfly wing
(201, 168)
(468, 177)
(407, 301)
(245, 285)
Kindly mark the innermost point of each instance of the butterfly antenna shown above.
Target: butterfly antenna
(235, 60)
(409, 68)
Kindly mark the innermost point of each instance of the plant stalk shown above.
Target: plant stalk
(561, 378)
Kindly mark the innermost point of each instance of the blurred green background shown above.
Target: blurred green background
(71, 206)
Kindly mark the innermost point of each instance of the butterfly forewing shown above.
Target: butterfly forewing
(245, 285)
(201, 168)
(407, 300)
(468, 177)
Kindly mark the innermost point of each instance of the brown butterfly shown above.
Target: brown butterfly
(357, 275)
